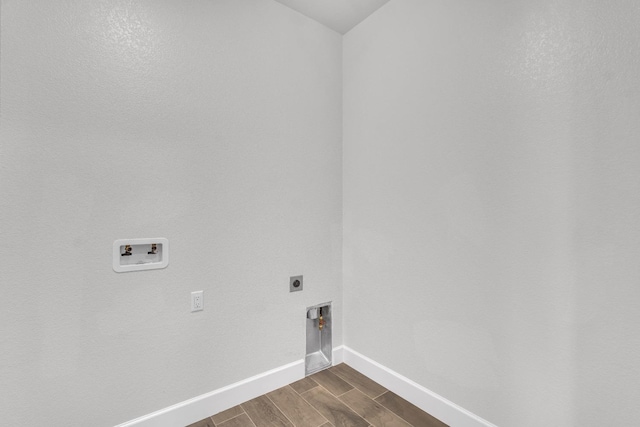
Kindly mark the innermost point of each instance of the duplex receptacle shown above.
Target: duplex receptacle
(197, 301)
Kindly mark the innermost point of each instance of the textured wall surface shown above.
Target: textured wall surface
(215, 124)
(492, 204)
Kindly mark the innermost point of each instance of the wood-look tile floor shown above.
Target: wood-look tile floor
(336, 397)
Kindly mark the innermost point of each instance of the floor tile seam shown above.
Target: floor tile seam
(343, 379)
(312, 407)
(224, 421)
(340, 400)
(391, 410)
(356, 387)
(247, 414)
(338, 395)
(380, 395)
(300, 394)
(396, 414)
(278, 408)
(239, 415)
(342, 394)
(303, 398)
(379, 403)
(330, 392)
(352, 410)
(316, 385)
(315, 409)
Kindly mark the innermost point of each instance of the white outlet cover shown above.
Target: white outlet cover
(197, 301)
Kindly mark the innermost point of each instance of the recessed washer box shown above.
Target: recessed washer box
(140, 254)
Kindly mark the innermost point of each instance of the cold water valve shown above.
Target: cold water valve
(140, 254)
(319, 346)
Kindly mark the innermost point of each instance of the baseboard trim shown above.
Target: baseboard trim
(203, 406)
(441, 408)
(338, 355)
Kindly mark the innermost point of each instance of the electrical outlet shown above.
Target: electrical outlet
(295, 283)
(197, 301)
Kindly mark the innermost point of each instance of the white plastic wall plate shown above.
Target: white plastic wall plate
(140, 257)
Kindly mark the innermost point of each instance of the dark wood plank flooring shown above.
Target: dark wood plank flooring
(336, 397)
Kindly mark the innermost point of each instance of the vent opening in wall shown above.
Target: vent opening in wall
(319, 347)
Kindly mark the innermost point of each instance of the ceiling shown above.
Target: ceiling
(340, 15)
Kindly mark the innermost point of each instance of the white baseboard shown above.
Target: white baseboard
(200, 407)
(211, 403)
(338, 355)
(203, 406)
(436, 405)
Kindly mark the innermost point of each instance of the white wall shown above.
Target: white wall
(492, 204)
(215, 124)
